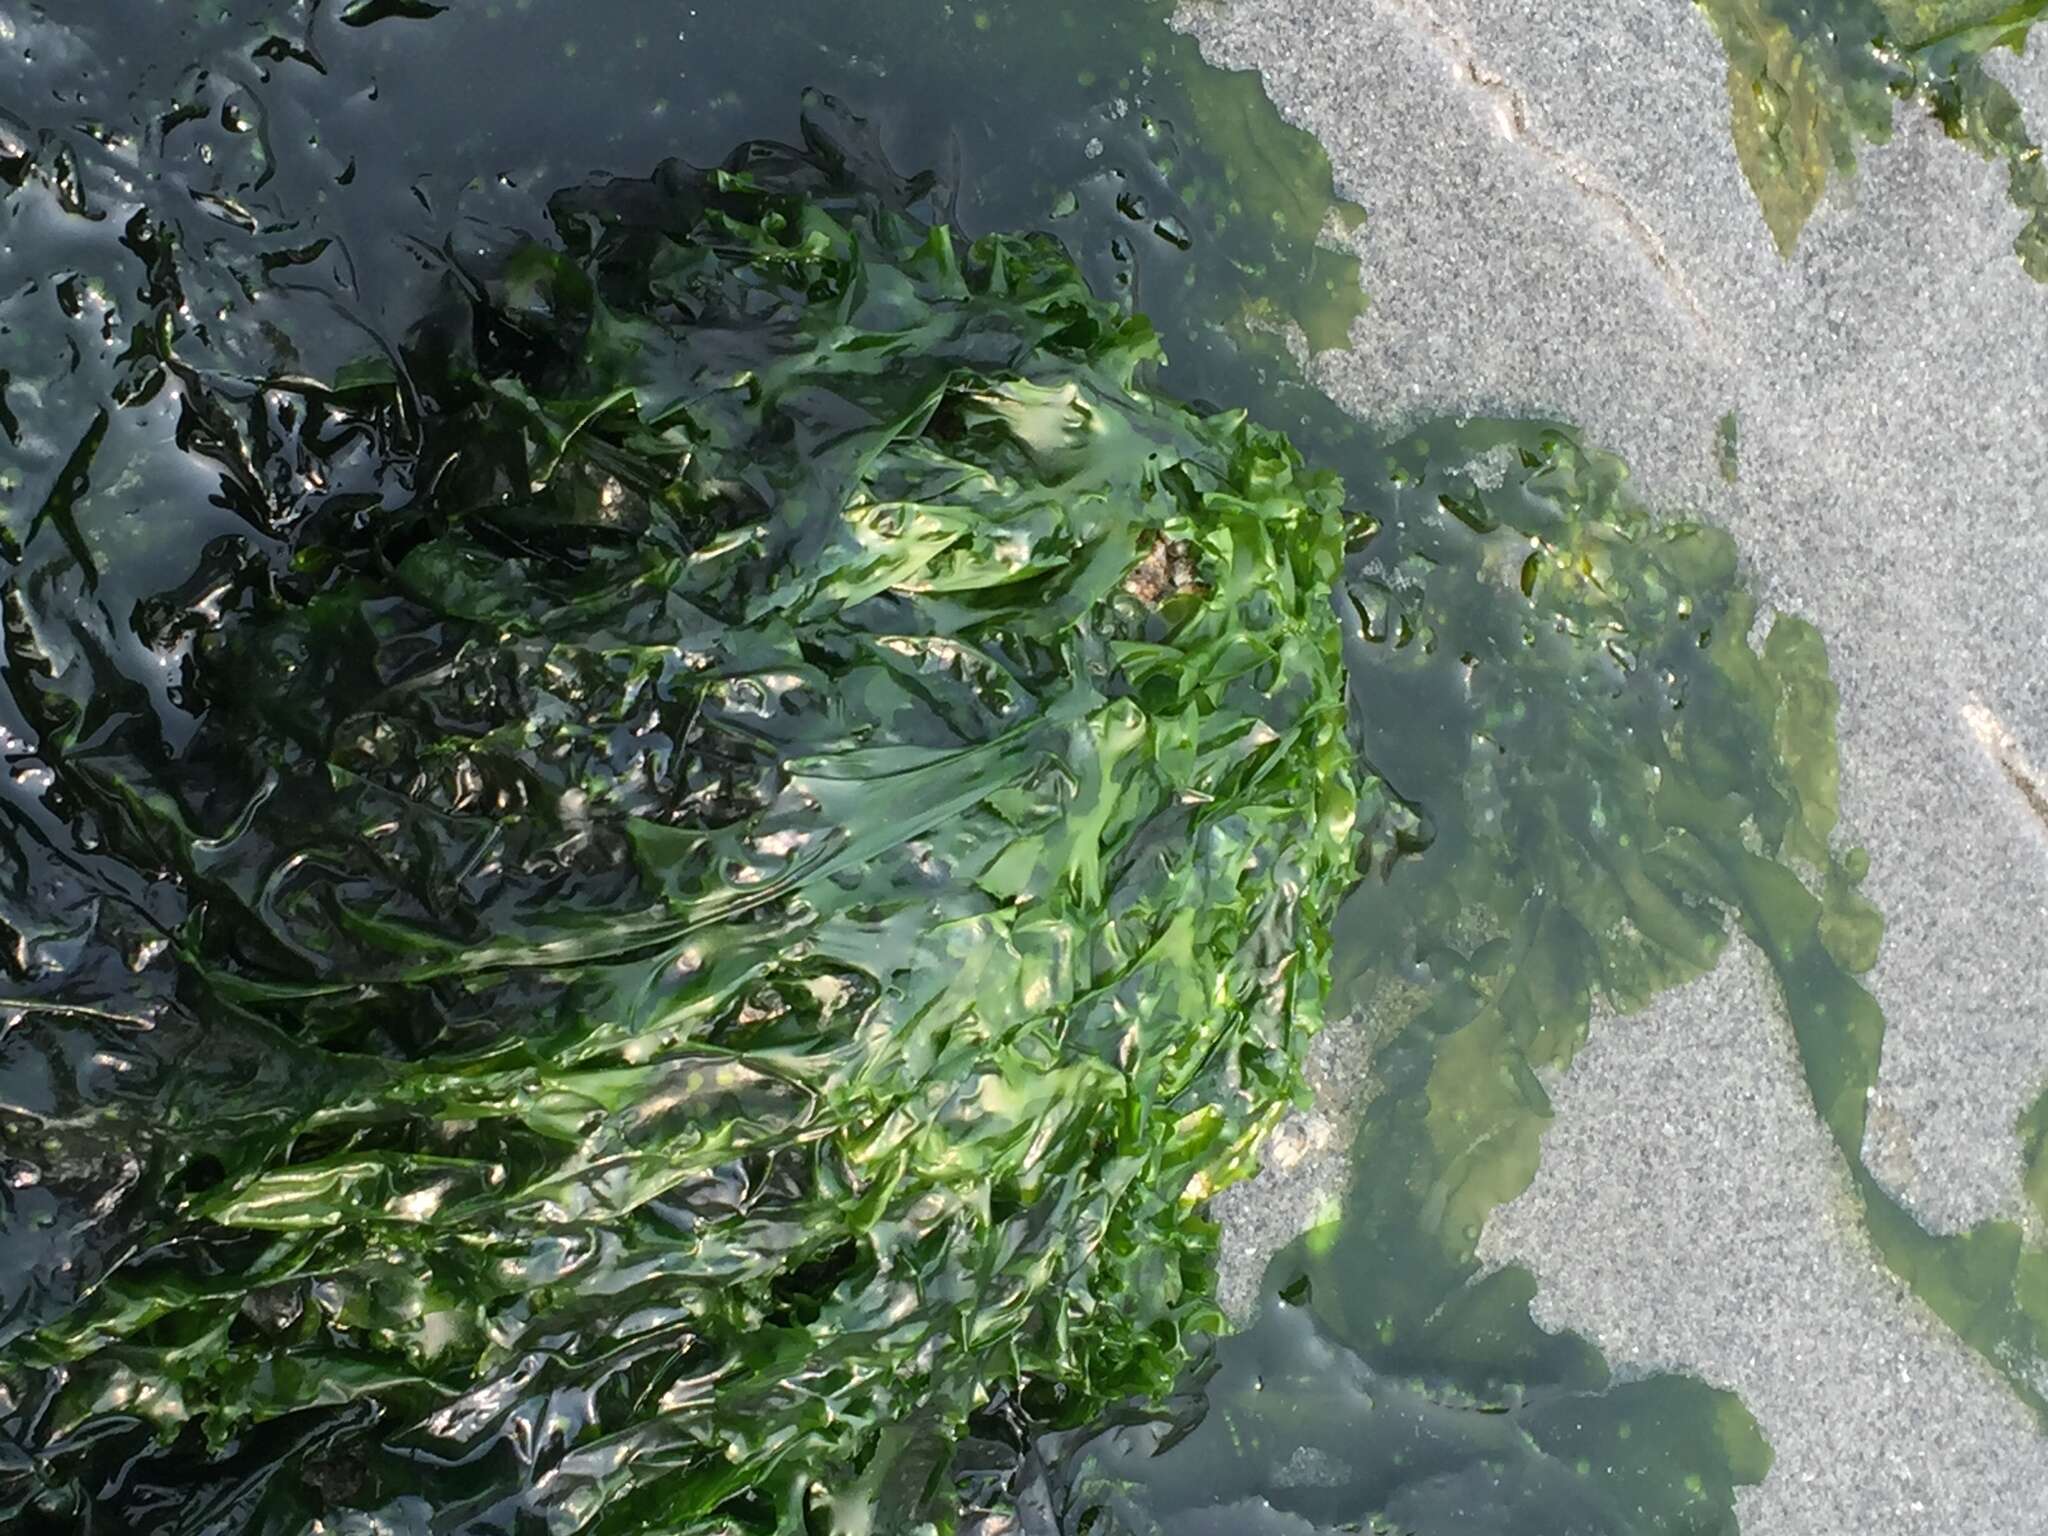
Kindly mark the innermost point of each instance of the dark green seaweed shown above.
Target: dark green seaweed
(766, 895)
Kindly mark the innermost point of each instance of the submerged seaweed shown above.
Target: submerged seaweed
(754, 907)
(1810, 80)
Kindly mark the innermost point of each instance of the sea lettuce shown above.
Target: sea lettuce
(726, 927)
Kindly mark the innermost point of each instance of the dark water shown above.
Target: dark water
(1585, 774)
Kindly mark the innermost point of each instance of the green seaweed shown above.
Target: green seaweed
(781, 884)
(1808, 82)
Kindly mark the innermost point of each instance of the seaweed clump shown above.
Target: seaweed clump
(711, 933)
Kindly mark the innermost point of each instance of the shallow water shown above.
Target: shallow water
(1588, 769)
